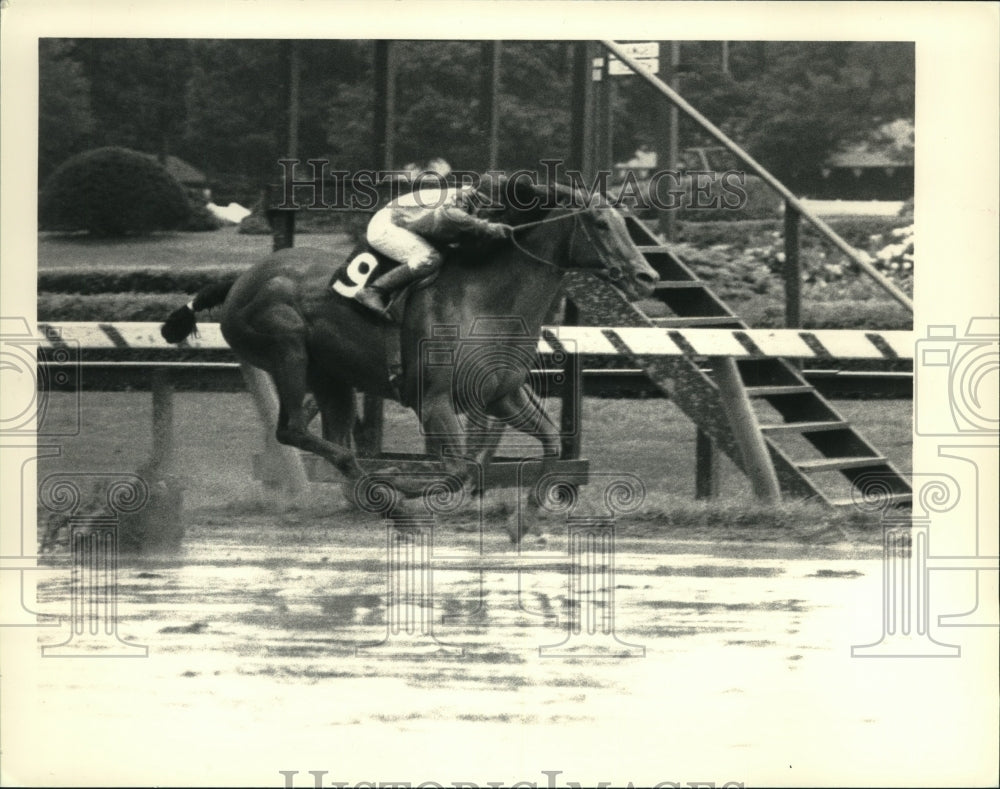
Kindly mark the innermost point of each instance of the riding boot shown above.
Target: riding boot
(376, 297)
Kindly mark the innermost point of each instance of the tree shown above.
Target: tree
(138, 89)
(65, 118)
(790, 104)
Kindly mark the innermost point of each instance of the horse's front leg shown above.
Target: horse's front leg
(522, 410)
(446, 438)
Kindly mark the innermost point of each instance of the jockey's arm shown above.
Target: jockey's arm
(453, 222)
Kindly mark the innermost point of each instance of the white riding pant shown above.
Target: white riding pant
(409, 248)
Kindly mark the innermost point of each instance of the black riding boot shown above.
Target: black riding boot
(376, 296)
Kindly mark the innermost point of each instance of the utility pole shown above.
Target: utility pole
(489, 90)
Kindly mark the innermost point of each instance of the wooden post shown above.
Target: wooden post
(582, 111)
(489, 89)
(743, 422)
(163, 422)
(604, 157)
(368, 435)
(282, 223)
(792, 269)
(384, 119)
(706, 467)
(569, 425)
(667, 121)
(282, 463)
(294, 63)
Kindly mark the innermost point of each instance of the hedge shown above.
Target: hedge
(145, 307)
(140, 307)
(866, 316)
(117, 280)
(855, 230)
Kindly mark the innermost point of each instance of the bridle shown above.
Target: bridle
(613, 273)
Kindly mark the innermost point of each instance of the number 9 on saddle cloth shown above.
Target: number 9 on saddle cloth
(365, 265)
(360, 267)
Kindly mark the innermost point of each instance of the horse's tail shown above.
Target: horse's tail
(180, 323)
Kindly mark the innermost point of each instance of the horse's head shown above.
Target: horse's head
(601, 243)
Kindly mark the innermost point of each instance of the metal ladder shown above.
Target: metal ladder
(816, 452)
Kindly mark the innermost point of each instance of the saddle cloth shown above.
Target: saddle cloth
(363, 266)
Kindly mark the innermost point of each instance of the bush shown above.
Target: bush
(112, 192)
(200, 219)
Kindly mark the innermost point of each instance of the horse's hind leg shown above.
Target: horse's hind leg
(337, 409)
(289, 374)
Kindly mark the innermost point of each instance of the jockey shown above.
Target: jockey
(403, 228)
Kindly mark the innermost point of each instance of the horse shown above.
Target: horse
(281, 316)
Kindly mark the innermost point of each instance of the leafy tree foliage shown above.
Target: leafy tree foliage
(789, 103)
(223, 104)
(65, 118)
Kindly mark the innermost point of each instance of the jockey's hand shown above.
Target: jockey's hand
(504, 231)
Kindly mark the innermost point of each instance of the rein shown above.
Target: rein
(614, 273)
(527, 225)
